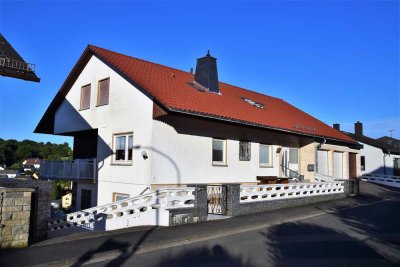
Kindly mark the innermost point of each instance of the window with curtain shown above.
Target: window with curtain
(85, 96)
(123, 146)
(103, 92)
(219, 152)
(265, 156)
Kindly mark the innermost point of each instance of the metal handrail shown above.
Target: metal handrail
(17, 64)
(299, 176)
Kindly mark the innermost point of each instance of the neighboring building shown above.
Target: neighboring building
(31, 163)
(380, 156)
(138, 124)
(9, 173)
(13, 65)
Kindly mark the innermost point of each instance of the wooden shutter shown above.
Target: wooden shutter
(104, 92)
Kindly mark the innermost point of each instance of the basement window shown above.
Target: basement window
(252, 102)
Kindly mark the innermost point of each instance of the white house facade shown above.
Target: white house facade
(131, 134)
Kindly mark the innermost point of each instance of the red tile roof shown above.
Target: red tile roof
(170, 87)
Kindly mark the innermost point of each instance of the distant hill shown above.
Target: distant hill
(13, 152)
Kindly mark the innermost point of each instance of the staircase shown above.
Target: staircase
(147, 209)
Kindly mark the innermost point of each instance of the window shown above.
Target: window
(85, 97)
(103, 93)
(293, 155)
(119, 196)
(219, 152)
(123, 146)
(253, 103)
(265, 156)
(244, 151)
(363, 163)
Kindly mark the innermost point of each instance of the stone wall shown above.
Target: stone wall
(40, 205)
(191, 215)
(15, 210)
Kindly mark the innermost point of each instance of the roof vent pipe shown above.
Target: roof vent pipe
(206, 73)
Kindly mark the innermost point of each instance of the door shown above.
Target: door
(322, 162)
(290, 161)
(338, 164)
(352, 165)
(86, 199)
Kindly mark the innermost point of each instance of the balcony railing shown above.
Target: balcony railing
(68, 169)
(17, 64)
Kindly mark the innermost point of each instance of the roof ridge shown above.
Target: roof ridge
(164, 66)
(140, 59)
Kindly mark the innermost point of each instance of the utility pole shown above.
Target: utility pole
(391, 133)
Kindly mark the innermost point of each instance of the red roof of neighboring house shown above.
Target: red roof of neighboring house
(170, 87)
(31, 161)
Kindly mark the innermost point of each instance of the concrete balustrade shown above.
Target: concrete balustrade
(149, 209)
(389, 180)
(284, 191)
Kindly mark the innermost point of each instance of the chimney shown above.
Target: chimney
(206, 73)
(358, 128)
(336, 126)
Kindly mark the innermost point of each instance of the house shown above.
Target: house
(138, 124)
(13, 65)
(31, 164)
(9, 174)
(378, 156)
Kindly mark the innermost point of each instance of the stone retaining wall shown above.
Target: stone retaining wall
(40, 205)
(15, 211)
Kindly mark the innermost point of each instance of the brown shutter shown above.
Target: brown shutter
(104, 92)
(85, 97)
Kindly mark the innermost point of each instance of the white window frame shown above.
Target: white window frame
(125, 161)
(224, 153)
(263, 164)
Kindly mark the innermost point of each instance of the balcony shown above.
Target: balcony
(69, 169)
(17, 64)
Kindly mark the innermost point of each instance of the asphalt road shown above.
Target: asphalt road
(358, 231)
(367, 235)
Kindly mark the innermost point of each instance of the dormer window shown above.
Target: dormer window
(253, 103)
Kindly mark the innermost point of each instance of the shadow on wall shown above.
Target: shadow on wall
(385, 171)
(162, 154)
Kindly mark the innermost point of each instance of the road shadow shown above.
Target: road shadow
(127, 250)
(310, 244)
(204, 256)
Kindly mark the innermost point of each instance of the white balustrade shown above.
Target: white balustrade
(389, 180)
(128, 212)
(68, 169)
(285, 191)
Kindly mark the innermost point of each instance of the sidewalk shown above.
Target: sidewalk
(83, 248)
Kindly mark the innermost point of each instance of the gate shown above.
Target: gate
(215, 199)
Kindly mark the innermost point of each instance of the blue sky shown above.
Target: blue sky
(337, 60)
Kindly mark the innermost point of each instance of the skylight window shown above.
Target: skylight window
(253, 103)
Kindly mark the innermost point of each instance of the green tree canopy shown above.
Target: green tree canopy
(13, 152)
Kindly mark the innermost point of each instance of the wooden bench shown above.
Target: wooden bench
(272, 180)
